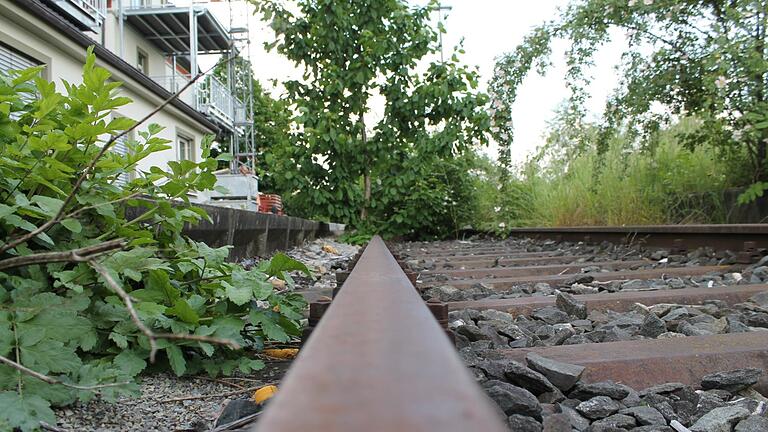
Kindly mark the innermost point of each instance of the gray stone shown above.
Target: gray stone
(692, 330)
(528, 379)
(493, 314)
(707, 402)
(576, 420)
(471, 332)
(753, 423)
(635, 285)
(522, 423)
(446, 293)
(237, 409)
(732, 381)
(760, 298)
(579, 279)
(645, 415)
(598, 407)
(557, 423)
(570, 305)
(757, 319)
(493, 336)
(550, 315)
(652, 326)
(720, 420)
(562, 375)
(617, 420)
(610, 389)
(512, 399)
(493, 369)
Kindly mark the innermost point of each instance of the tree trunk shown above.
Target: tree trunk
(762, 144)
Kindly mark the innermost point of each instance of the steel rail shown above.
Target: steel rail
(379, 361)
(719, 236)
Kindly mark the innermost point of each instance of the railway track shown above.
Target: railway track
(645, 316)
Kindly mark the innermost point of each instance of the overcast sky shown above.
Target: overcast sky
(489, 28)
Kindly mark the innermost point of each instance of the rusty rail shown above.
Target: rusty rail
(736, 237)
(379, 361)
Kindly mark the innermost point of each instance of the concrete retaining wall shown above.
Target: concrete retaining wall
(256, 234)
(754, 212)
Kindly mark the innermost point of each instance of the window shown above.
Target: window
(142, 61)
(10, 59)
(121, 147)
(186, 148)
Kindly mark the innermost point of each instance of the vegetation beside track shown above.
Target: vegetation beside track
(90, 298)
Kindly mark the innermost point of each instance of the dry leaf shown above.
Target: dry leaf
(264, 393)
(277, 283)
(330, 249)
(282, 353)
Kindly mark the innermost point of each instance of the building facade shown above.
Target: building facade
(152, 47)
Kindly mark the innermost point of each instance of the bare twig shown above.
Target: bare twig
(75, 255)
(52, 428)
(76, 187)
(90, 207)
(198, 338)
(215, 395)
(50, 380)
(128, 305)
(151, 336)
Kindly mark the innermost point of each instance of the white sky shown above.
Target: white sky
(489, 28)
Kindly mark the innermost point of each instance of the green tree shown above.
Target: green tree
(342, 165)
(705, 58)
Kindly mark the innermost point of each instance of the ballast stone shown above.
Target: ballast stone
(598, 407)
(732, 381)
(562, 375)
(720, 419)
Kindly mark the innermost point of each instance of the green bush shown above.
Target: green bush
(70, 259)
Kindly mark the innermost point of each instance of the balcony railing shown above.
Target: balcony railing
(86, 14)
(209, 96)
(95, 8)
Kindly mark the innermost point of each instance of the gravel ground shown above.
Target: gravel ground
(568, 323)
(547, 395)
(584, 283)
(205, 399)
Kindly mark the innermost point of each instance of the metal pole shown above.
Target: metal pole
(193, 46)
(121, 25)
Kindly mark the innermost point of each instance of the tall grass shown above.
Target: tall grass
(624, 186)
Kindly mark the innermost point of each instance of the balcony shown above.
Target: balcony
(87, 15)
(209, 96)
(174, 29)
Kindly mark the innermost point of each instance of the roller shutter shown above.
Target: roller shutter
(10, 59)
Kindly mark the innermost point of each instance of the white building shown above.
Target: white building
(152, 46)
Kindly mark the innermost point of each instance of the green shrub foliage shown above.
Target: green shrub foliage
(67, 248)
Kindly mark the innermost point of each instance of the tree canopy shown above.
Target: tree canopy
(699, 58)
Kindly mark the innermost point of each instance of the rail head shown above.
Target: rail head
(378, 361)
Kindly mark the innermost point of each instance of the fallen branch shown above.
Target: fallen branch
(128, 305)
(83, 254)
(50, 380)
(151, 336)
(212, 396)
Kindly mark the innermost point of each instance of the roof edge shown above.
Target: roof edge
(45, 14)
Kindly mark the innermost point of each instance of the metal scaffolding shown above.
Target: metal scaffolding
(183, 33)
